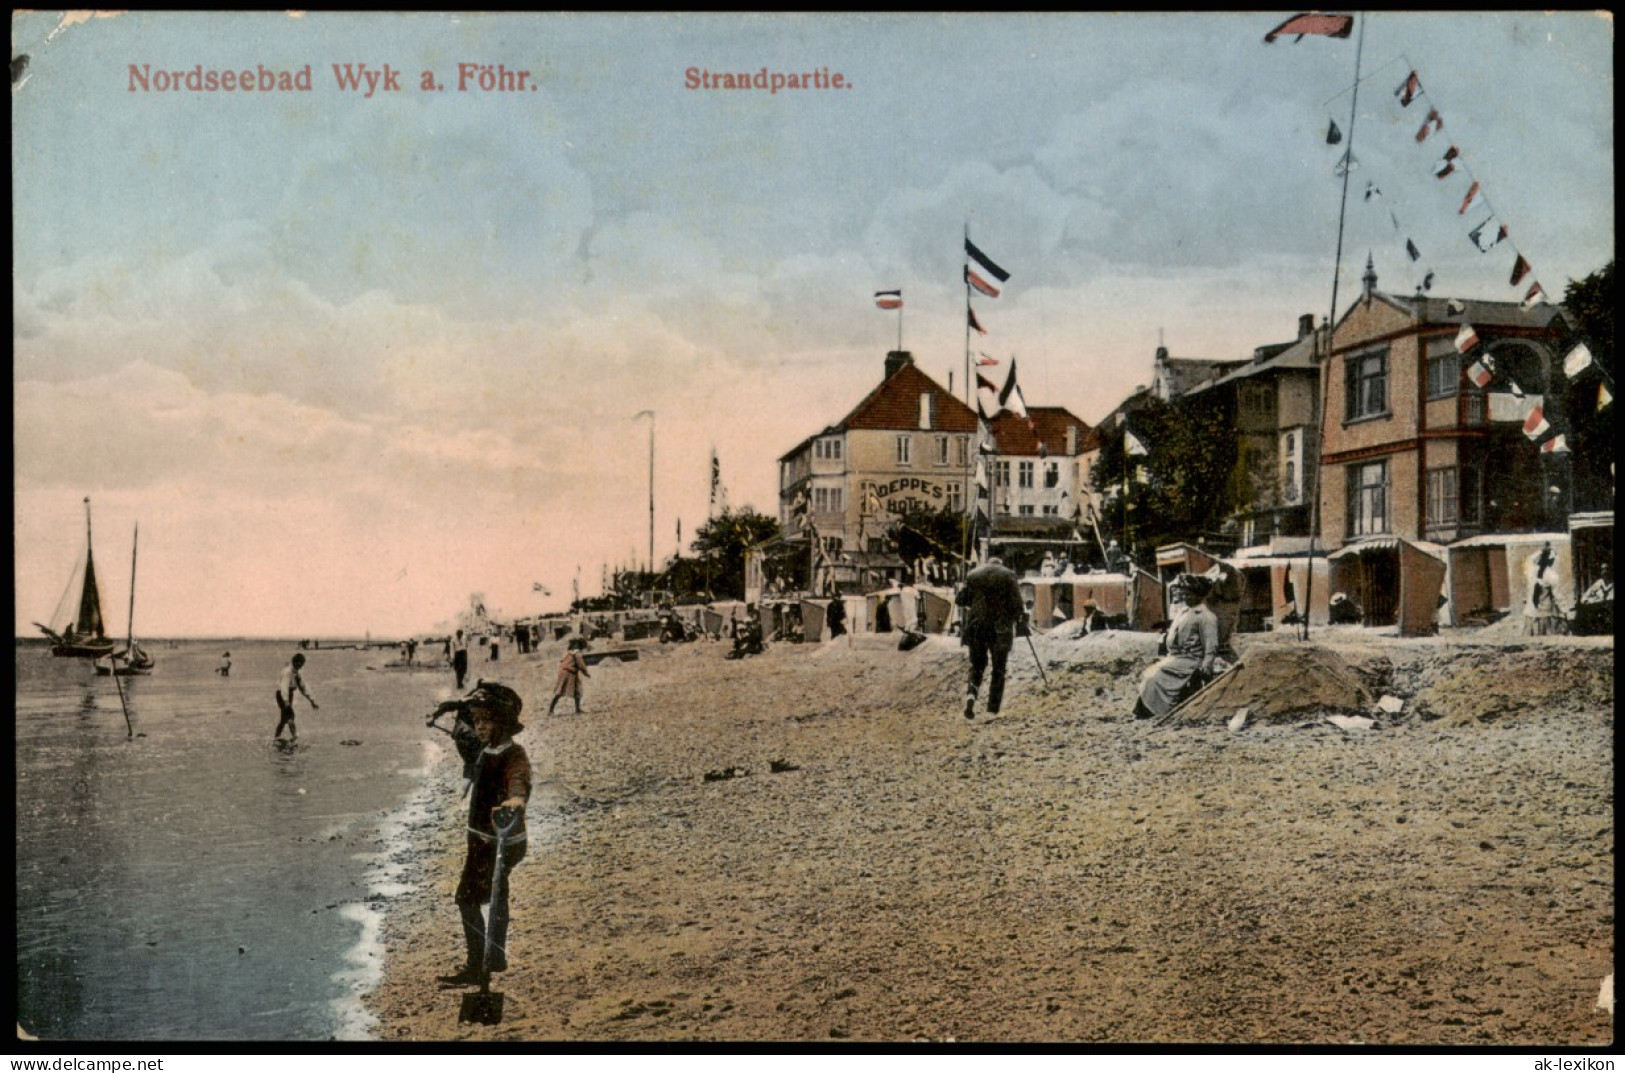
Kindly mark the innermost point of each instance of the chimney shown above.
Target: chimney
(1072, 439)
(1306, 324)
(895, 360)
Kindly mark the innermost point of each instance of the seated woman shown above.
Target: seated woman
(1192, 643)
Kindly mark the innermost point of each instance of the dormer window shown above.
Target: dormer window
(925, 409)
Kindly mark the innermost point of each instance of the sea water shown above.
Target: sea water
(179, 877)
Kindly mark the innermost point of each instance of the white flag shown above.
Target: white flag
(1132, 444)
(1577, 361)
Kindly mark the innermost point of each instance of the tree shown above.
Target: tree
(723, 541)
(1589, 304)
(1188, 467)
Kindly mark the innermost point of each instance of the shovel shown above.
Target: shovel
(484, 1007)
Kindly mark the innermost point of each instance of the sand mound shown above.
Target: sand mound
(1275, 684)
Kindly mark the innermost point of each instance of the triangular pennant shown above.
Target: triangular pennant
(1408, 90)
(1577, 361)
(1434, 122)
(1333, 135)
(1447, 163)
(1558, 444)
(970, 318)
(1372, 191)
(1472, 198)
(1604, 396)
(1346, 164)
(1533, 297)
(1411, 251)
(1520, 269)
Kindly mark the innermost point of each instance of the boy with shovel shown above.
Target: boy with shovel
(496, 805)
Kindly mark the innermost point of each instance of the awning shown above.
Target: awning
(1386, 544)
(1506, 540)
(1591, 519)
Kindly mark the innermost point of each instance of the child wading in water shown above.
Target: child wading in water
(572, 669)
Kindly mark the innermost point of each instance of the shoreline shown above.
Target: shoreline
(815, 845)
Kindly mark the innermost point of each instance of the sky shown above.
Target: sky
(348, 360)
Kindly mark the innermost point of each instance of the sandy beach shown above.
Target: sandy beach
(815, 845)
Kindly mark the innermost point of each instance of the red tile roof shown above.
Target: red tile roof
(1051, 422)
(895, 404)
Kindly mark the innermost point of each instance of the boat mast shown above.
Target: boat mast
(130, 644)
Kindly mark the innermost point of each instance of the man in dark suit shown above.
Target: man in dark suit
(993, 617)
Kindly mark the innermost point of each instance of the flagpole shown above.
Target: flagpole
(1331, 328)
(967, 540)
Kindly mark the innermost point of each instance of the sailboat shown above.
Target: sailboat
(83, 637)
(132, 660)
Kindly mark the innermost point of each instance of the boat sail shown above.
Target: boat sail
(84, 637)
(132, 660)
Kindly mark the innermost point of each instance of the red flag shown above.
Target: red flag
(1535, 425)
(1466, 339)
(1319, 25)
(1408, 90)
(1534, 296)
(1481, 371)
(1433, 121)
(1558, 444)
(1470, 200)
(985, 359)
(1520, 269)
(980, 284)
(889, 299)
(970, 317)
(1447, 163)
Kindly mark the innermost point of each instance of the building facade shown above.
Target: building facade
(907, 446)
(1412, 447)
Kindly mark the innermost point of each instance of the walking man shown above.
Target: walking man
(289, 683)
(994, 616)
(500, 792)
(459, 657)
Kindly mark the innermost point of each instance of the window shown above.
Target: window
(1367, 386)
(1442, 496)
(942, 450)
(827, 450)
(1291, 474)
(832, 546)
(956, 497)
(1476, 407)
(1368, 498)
(828, 500)
(1052, 509)
(905, 450)
(1052, 474)
(1025, 474)
(962, 455)
(1025, 510)
(1001, 474)
(1444, 375)
(1257, 401)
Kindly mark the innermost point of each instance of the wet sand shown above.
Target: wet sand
(865, 864)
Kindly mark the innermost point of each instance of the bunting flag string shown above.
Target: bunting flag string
(1424, 282)
(970, 318)
(1491, 232)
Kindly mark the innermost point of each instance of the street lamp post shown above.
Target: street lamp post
(650, 414)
